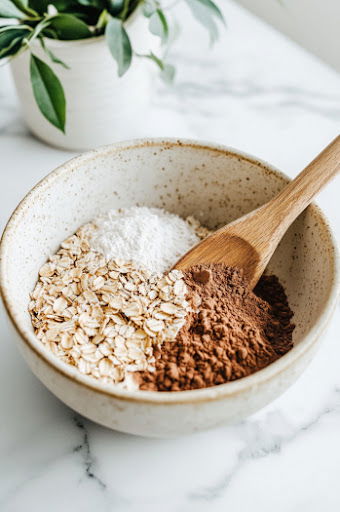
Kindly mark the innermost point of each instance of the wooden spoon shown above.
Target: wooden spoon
(249, 242)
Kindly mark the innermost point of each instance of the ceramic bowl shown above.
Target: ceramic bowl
(217, 185)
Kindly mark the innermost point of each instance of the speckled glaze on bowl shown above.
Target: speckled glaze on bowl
(217, 185)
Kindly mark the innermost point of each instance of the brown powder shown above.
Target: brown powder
(235, 332)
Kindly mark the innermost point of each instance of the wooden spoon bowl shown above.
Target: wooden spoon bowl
(249, 242)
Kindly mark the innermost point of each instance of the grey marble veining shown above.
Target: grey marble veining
(257, 91)
(265, 439)
(84, 450)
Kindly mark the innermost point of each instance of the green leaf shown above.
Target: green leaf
(167, 70)
(209, 4)
(11, 40)
(119, 44)
(205, 17)
(23, 6)
(51, 55)
(149, 7)
(115, 7)
(52, 34)
(68, 27)
(67, 6)
(48, 93)
(158, 25)
(9, 10)
(7, 28)
(98, 4)
(168, 73)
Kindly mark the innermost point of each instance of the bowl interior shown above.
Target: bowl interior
(214, 184)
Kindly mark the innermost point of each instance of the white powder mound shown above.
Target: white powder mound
(150, 237)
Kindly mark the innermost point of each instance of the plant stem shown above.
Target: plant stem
(125, 10)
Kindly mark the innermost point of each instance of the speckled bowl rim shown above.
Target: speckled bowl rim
(230, 389)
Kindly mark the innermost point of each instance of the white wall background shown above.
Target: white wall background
(315, 24)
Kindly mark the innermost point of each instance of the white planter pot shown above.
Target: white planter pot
(101, 107)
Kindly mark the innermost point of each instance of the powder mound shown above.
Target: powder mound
(234, 333)
(150, 237)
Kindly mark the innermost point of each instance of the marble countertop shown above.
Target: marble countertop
(257, 91)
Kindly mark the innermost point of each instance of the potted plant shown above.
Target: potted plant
(66, 52)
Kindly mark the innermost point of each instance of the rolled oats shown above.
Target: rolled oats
(105, 316)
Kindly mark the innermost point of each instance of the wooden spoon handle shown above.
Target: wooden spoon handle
(298, 194)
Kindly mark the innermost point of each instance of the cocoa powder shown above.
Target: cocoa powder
(233, 333)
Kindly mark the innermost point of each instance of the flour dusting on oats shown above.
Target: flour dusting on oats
(150, 237)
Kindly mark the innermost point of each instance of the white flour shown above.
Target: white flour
(150, 237)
